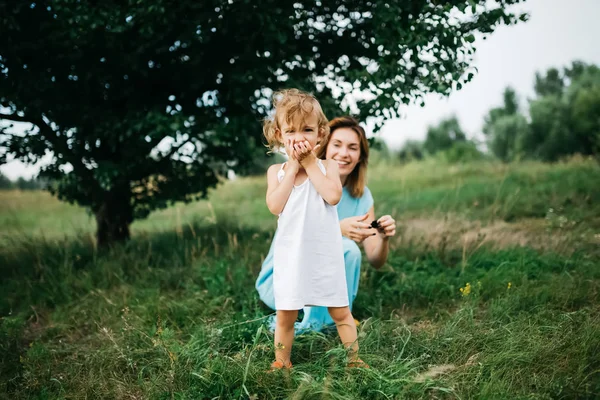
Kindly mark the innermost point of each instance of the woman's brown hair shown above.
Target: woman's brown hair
(357, 179)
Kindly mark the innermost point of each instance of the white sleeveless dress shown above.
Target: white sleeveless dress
(308, 259)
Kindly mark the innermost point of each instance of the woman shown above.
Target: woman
(347, 144)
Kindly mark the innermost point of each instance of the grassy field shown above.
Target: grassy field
(491, 290)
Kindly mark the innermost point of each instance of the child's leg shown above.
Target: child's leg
(284, 335)
(346, 328)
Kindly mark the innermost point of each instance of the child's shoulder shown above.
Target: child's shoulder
(274, 169)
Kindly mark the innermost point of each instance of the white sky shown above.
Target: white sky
(558, 32)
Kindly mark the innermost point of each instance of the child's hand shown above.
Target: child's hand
(293, 163)
(304, 152)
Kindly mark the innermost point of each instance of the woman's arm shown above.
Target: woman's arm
(377, 246)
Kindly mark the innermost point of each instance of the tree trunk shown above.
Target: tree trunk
(113, 219)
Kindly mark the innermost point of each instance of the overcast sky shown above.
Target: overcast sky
(558, 32)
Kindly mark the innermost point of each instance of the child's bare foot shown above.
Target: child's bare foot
(357, 363)
(278, 365)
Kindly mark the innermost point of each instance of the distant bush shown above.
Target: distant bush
(461, 152)
(22, 183)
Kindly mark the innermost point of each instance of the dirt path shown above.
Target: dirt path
(455, 232)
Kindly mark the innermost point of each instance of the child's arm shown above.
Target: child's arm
(329, 186)
(279, 192)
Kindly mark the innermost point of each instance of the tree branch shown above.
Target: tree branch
(175, 149)
(49, 135)
(151, 169)
(16, 118)
(10, 135)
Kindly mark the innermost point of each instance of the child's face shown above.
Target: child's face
(300, 129)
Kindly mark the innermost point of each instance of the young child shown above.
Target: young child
(308, 256)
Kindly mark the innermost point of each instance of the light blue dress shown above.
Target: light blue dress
(315, 318)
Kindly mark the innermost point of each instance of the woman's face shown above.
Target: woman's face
(344, 147)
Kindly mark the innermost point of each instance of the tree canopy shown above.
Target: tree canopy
(146, 103)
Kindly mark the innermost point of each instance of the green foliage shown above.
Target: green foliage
(5, 183)
(461, 152)
(584, 96)
(550, 136)
(22, 183)
(510, 107)
(566, 121)
(446, 141)
(504, 127)
(379, 152)
(11, 334)
(443, 136)
(147, 103)
(510, 139)
(552, 84)
(412, 150)
(563, 118)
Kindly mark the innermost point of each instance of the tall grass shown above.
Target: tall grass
(174, 314)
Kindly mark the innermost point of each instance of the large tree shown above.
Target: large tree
(145, 103)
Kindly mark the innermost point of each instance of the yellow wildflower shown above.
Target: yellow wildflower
(466, 290)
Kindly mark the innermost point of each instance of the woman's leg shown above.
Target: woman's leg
(264, 282)
(284, 336)
(315, 318)
(352, 260)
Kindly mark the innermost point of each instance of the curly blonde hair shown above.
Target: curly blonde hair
(289, 104)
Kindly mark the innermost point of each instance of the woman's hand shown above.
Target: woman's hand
(355, 228)
(387, 226)
(377, 248)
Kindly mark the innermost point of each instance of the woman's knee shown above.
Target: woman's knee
(352, 254)
(352, 261)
